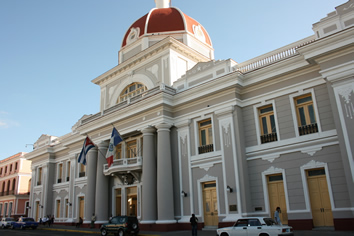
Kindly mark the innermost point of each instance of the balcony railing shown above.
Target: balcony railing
(267, 138)
(151, 92)
(59, 181)
(82, 174)
(135, 162)
(308, 129)
(206, 148)
(67, 179)
(274, 56)
(12, 192)
(39, 183)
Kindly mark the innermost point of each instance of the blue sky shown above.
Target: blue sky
(50, 50)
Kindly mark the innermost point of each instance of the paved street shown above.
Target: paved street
(58, 230)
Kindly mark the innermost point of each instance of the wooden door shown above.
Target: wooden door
(319, 198)
(118, 202)
(131, 202)
(277, 197)
(210, 204)
(81, 207)
(37, 212)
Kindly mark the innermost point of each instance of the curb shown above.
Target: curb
(71, 230)
(84, 231)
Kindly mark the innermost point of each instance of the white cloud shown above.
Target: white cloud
(3, 124)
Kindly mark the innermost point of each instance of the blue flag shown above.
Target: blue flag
(88, 144)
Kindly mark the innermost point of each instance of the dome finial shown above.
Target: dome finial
(163, 3)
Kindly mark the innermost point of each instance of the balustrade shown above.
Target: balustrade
(267, 138)
(308, 129)
(206, 148)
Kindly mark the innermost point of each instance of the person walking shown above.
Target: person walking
(49, 220)
(194, 222)
(93, 219)
(277, 217)
(79, 223)
(52, 219)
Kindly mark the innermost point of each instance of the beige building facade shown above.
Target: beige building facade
(219, 139)
(15, 182)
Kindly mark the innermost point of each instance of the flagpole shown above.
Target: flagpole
(96, 146)
(123, 139)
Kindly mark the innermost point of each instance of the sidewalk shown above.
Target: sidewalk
(318, 232)
(58, 227)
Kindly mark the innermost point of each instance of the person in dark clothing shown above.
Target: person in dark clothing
(194, 223)
(78, 224)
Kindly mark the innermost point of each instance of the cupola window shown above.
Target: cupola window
(132, 90)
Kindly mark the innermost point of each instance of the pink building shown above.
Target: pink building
(15, 182)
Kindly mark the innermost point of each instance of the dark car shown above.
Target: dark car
(121, 225)
(6, 222)
(24, 222)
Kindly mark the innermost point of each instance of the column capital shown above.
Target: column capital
(103, 144)
(183, 124)
(163, 127)
(148, 130)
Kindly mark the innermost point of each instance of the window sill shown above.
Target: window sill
(208, 155)
(292, 144)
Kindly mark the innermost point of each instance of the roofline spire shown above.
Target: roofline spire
(163, 3)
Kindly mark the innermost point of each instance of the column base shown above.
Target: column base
(166, 222)
(160, 226)
(148, 222)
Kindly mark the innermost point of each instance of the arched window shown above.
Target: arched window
(8, 186)
(131, 90)
(14, 185)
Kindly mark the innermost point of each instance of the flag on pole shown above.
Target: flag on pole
(115, 140)
(88, 144)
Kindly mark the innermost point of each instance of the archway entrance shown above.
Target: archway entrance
(210, 203)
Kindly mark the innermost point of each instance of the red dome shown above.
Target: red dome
(164, 20)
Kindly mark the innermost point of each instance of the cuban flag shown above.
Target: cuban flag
(88, 144)
(115, 140)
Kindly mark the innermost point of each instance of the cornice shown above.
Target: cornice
(39, 152)
(145, 56)
(278, 69)
(326, 45)
(154, 102)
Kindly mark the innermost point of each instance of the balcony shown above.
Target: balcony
(267, 138)
(6, 193)
(206, 148)
(123, 165)
(308, 129)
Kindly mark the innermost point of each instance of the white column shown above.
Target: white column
(165, 202)
(91, 168)
(102, 183)
(149, 178)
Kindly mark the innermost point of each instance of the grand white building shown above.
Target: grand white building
(219, 139)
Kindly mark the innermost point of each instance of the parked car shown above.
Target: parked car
(6, 222)
(24, 222)
(255, 226)
(121, 225)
